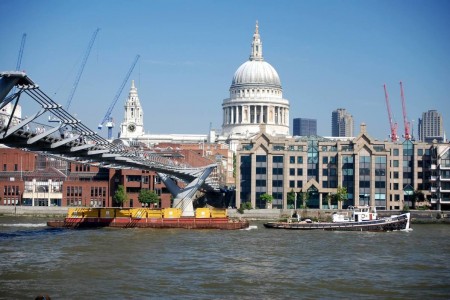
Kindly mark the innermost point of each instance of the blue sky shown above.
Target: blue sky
(329, 55)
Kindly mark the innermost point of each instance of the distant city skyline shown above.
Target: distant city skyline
(328, 54)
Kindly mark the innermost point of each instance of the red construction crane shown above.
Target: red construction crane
(394, 136)
(407, 135)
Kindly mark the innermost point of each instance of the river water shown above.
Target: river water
(212, 264)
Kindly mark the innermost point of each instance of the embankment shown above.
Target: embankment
(417, 216)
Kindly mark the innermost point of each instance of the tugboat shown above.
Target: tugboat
(205, 218)
(362, 218)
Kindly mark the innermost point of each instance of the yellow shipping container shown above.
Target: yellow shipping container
(123, 213)
(138, 213)
(201, 213)
(107, 212)
(82, 212)
(154, 213)
(171, 213)
(218, 213)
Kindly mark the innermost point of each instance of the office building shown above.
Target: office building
(304, 127)
(431, 127)
(378, 173)
(341, 123)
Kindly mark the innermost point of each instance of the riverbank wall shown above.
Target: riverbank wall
(34, 211)
(417, 216)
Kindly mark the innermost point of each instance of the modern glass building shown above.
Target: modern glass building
(378, 173)
(304, 127)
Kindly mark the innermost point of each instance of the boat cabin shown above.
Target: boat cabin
(356, 214)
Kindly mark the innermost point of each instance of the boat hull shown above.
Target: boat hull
(184, 222)
(400, 222)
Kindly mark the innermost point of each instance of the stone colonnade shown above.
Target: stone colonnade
(255, 114)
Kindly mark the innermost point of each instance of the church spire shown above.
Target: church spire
(256, 45)
(133, 91)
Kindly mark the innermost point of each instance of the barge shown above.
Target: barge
(205, 218)
(356, 219)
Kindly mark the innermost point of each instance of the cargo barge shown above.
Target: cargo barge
(205, 218)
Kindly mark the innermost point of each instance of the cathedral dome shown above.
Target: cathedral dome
(256, 99)
(256, 72)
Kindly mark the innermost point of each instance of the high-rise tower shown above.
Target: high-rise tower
(431, 126)
(341, 123)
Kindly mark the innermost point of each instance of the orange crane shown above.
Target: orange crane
(393, 135)
(406, 123)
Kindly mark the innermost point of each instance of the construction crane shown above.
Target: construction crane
(406, 123)
(392, 124)
(80, 72)
(107, 119)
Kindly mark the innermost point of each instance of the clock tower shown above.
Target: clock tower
(133, 121)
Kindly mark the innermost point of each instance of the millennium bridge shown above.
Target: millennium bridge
(69, 139)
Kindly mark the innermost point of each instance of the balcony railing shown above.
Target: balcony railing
(444, 189)
(433, 189)
(443, 178)
(444, 166)
(433, 167)
(445, 200)
(433, 178)
(435, 200)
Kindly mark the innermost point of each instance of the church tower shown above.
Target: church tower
(133, 121)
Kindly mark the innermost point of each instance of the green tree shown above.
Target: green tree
(291, 198)
(267, 198)
(418, 196)
(304, 196)
(146, 197)
(341, 195)
(120, 196)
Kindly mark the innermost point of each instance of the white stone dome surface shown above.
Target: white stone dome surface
(256, 72)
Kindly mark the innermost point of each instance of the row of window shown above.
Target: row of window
(77, 191)
(11, 190)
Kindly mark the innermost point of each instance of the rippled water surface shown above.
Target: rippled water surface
(212, 264)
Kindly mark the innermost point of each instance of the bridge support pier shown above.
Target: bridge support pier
(183, 198)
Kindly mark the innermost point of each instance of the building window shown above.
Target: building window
(277, 159)
(395, 152)
(299, 159)
(299, 172)
(325, 160)
(292, 171)
(261, 158)
(292, 159)
(261, 170)
(395, 163)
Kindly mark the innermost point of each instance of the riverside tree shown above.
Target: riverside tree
(267, 198)
(146, 197)
(120, 196)
(341, 195)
